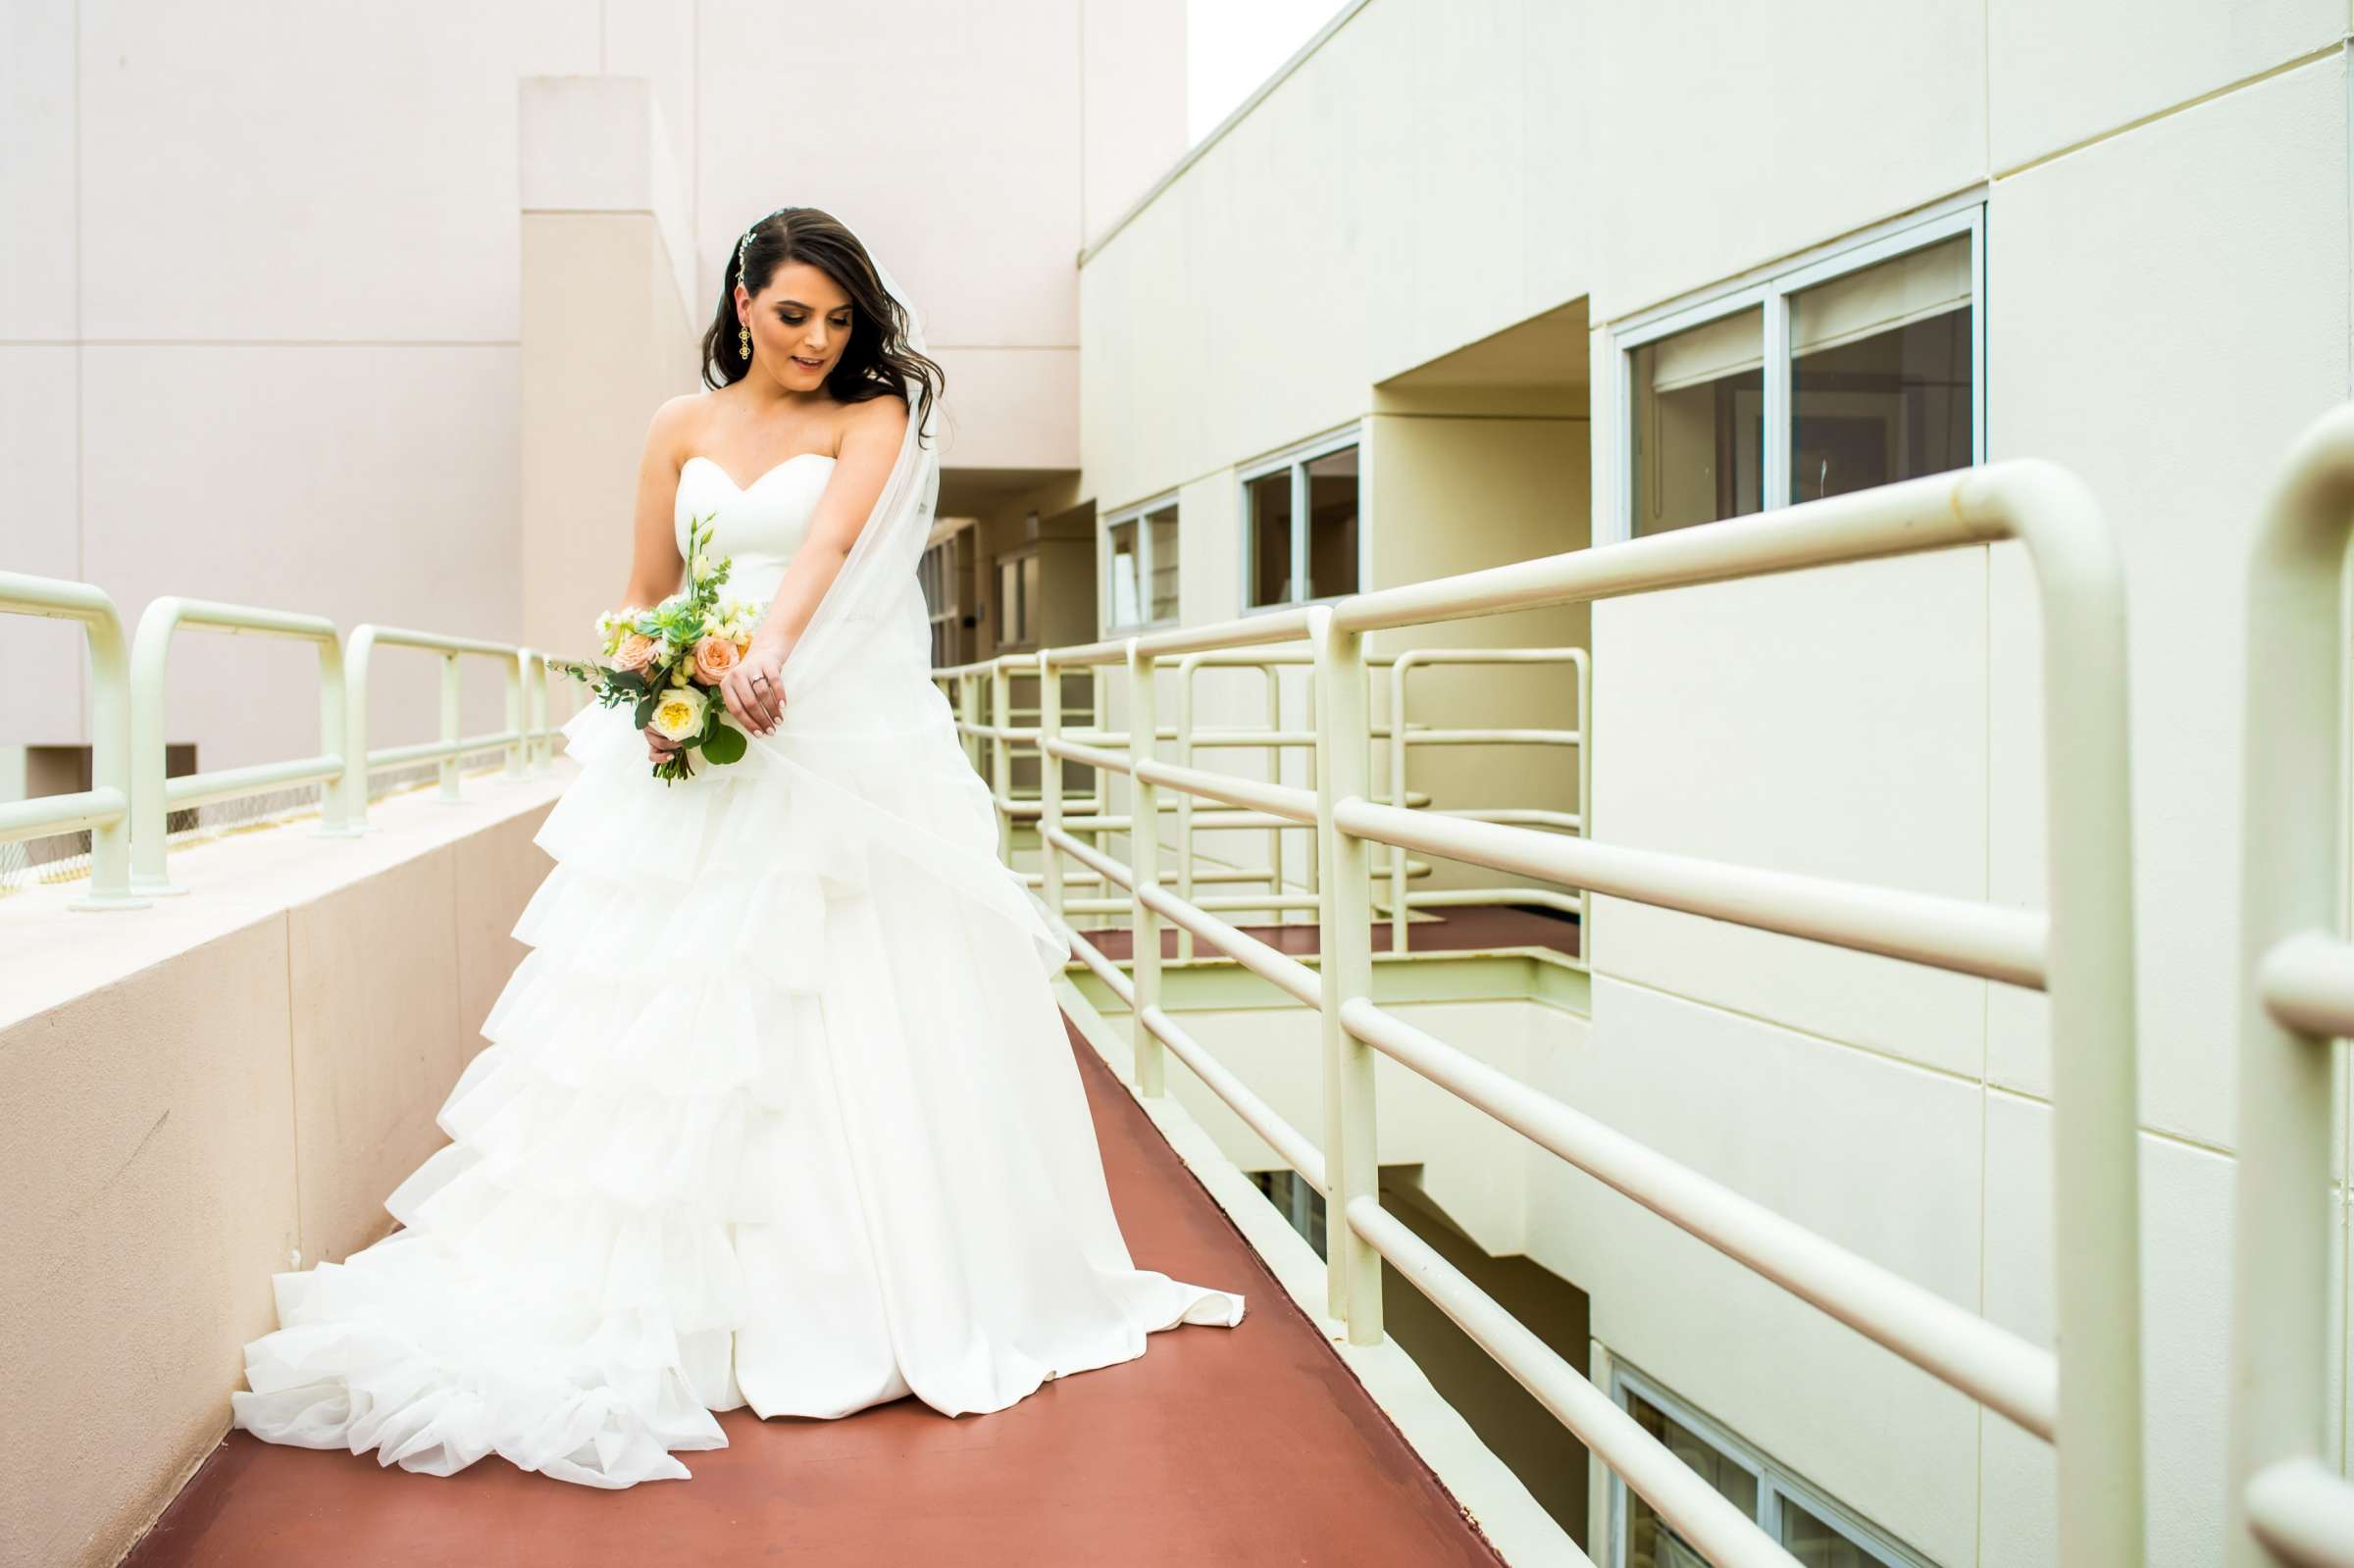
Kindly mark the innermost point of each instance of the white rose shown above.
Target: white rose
(679, 713)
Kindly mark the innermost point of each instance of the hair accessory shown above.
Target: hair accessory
(740, 246)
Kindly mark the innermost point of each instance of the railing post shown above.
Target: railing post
(1185, 797)
(1277, 916)
(450, 725)
(1001, 756)
(2292, 866)
(348, 817)
(150, 646)
(1398, 796)
(1144, 862)
(1050, 782)
(110, 760)
(968, 714)
(1344, 941)
(1581, 664)
(542, 744)
(335, 725)
(517, 722)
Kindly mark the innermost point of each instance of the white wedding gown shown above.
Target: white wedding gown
(778, 1111)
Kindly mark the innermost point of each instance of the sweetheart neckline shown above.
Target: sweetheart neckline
(747, 489)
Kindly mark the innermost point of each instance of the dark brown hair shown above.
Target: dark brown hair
(875, 361)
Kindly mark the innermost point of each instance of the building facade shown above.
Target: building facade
(1473, 282)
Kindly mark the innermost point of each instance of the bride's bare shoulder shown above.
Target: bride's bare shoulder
(677, 428)
(882, 417)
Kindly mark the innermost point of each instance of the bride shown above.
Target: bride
(778, 1110)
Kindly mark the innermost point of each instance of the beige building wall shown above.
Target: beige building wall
(228, 1087)
(2167, 304)
(1882, 722)
(260, 323)
(1326, 245)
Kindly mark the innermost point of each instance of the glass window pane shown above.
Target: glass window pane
(1124, 582)
(1650, 1544)
(1267, 505)
(1818, 1543)
(1332, 523)
(1699, 403)
(1163, 553)
(1880, 374)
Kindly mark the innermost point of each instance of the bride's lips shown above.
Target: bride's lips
(809, 363)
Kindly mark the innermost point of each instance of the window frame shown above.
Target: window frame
(939, 564)
(1016, 558)
(1138, 515)
(1774, 1481)
(1770, 295)
(1296, 458)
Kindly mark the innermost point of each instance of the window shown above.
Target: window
(1880, 374)
(1698, 399)
(1017, 598)
(1301, 535)
(937, 574)
(1853, 370)
(1140, 567)
(1814, 1529)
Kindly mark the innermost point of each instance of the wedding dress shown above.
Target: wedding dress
(778, 1112)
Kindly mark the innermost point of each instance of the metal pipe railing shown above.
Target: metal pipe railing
(152, 794)
(2087, 1399)
(516, 740)
(1403, 735)
(2296, 978)
(994, 745)
(105, 807)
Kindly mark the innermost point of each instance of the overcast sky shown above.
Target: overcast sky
(1234, 45)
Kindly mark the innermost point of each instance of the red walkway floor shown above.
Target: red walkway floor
(1217, 1448)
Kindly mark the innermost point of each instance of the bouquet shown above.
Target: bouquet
(666, 660)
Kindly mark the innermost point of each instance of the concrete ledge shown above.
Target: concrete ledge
(211, 1090)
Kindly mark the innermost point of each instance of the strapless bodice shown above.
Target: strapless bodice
(759, 525)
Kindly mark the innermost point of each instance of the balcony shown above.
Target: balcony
(229, 1078)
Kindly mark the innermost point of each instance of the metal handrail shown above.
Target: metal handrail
(1403, 736)
(993, 745)
(2086, 1401)
(105, 807)
(522, 742)
(2297, 980)
(152, 794)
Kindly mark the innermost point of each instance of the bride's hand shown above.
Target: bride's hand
(754, 690)
(658, 746)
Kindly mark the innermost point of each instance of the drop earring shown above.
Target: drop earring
(744, 342)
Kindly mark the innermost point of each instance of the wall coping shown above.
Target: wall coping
(51, 956)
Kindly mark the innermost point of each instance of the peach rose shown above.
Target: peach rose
(636, 651)
(714, 656)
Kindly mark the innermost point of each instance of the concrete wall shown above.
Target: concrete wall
(261, 328)
(2167, 304)
(1325, 245)
(210, 1090)
(1332, 238)
(608, 334)
(1882, 722)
